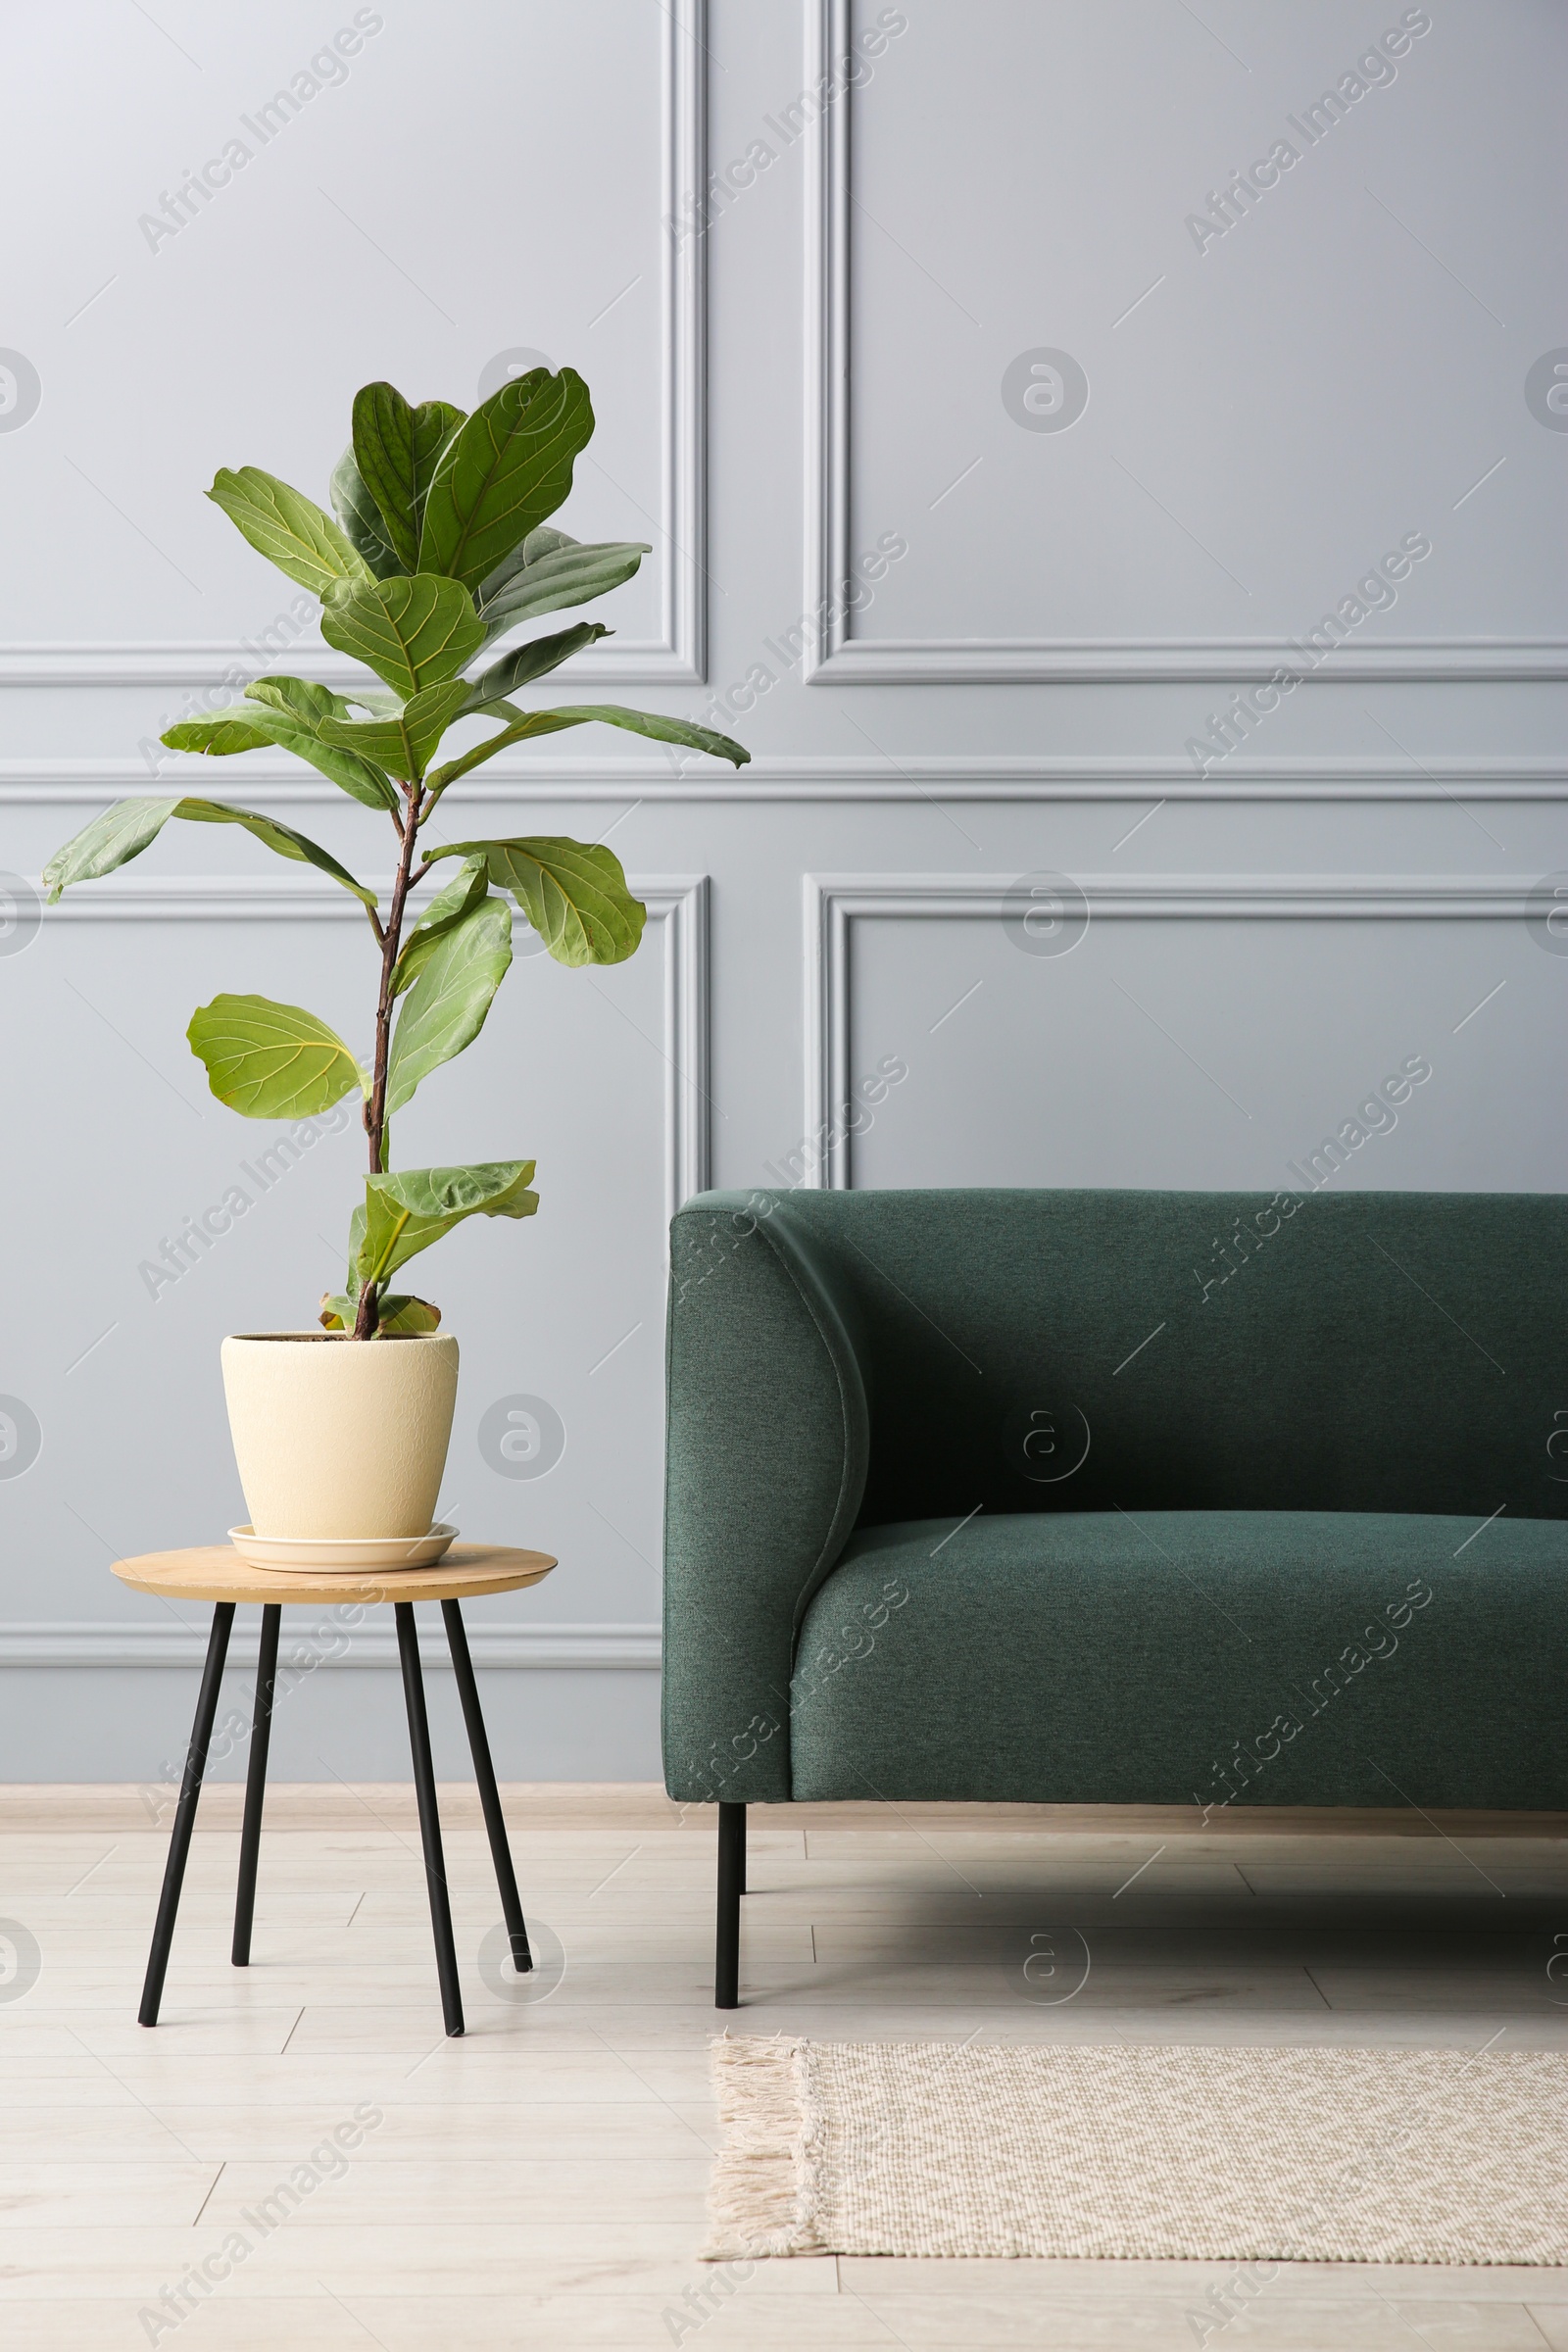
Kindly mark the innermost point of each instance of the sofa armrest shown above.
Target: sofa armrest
(767, 1444)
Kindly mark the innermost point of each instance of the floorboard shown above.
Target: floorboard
(541, 2182)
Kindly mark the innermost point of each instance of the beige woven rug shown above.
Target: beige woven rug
(1261, 2155)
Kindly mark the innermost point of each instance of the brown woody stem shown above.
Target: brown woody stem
(364, 1322)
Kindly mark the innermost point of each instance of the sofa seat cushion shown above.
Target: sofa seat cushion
(1216, 1657)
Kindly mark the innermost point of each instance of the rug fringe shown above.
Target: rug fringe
(763, 2197)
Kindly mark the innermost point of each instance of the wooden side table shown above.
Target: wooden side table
(216, 1572)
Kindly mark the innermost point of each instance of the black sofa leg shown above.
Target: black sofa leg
(731, 1886)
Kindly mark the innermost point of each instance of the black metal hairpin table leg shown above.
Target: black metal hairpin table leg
(731, 1872)
(250, 1837)
(190, 1789)
(435, 1876)
(484, 1773)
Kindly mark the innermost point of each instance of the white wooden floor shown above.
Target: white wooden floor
(541, 2182)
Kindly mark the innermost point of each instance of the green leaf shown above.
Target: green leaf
(446, 1007)
(529, 661)
(255, 724)
(446, 908)
(222, 732)
(503, 473)
(360, 517)
(651, 722)
(398, 1314)
(290, 530)
(302, 701)
(524, 725)
(528, 724)
(123, 831)
(396, 447)
(271, 1061)
(549, 570)
(297, 698)
(405, 743)
(406, 1212)
(573, 892)
(395, 1314)
(412, 633)
(356, 1246)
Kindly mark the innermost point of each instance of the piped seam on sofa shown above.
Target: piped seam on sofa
(837, 1532)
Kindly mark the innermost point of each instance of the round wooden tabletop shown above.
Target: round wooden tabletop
(216, 1572)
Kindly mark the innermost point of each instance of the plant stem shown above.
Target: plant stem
(364, 1322)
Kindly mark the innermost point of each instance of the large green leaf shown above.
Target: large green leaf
(503, 473)
(289, 529)
(312, 706)
(444, 1011)
(412, 633)
(655, 724)
(549, 570)
(123, 832)
(271, 1061)
(360, 517)
(239, 728)
(396, 447)
(406, 1212)
(267, 717)
(298, 698)
(573, 892)
(547, 722)
(446, 908)
(405, 743)
(533, 661)
(523, 726)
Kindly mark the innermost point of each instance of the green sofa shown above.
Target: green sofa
(1184, 1498)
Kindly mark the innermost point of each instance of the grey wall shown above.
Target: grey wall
(1061, 583)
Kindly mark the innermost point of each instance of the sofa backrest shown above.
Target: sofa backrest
(1027, 1351)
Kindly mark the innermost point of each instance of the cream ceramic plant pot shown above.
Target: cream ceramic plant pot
(337, 1437)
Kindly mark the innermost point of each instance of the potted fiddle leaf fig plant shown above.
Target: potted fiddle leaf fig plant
(441, 550)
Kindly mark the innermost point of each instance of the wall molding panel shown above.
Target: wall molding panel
(832, 902)
(839, 660)
(112, 1642)
(681, 656)
(849, 778)
(678, 655)
(679, 902)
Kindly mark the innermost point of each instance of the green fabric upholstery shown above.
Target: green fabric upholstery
(845, 1367)
(1216, 1657)
(764, 1471)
